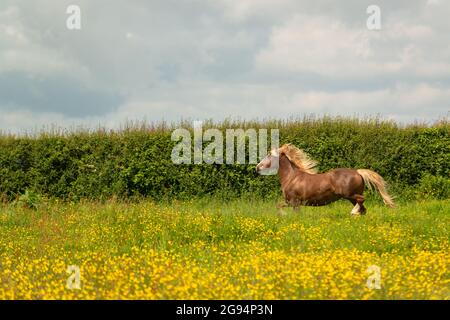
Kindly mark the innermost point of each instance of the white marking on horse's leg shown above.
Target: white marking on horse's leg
(281, 212)
(356, 209)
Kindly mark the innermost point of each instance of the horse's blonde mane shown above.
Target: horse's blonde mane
(300, 158)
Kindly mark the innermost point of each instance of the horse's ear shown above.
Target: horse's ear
(279, 151)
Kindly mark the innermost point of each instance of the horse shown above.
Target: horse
(301, 183)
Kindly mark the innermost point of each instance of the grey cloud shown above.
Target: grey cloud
(19, 91)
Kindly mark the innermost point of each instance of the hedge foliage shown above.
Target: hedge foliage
(137, 160)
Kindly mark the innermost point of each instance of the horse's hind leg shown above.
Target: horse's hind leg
(358, 201)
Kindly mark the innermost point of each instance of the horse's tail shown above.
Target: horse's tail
(373, 179)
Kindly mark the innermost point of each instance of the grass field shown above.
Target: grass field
(206, 249)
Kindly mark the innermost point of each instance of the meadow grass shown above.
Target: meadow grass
(211, 249)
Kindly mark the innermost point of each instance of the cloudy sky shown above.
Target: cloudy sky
(198, 59)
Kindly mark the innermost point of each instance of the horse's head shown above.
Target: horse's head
(270, 164)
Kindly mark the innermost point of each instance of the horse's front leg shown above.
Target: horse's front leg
(280, 207)
(296, 205)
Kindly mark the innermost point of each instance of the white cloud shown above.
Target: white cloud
(246, 9)
(402, 102)
(329, 47)
(433, 2)
(413, 99)
(315, 44)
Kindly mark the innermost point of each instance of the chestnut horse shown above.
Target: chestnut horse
(302, 185)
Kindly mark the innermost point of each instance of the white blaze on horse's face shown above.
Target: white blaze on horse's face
(269, 165)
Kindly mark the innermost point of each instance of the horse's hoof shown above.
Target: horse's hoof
(356, 209)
